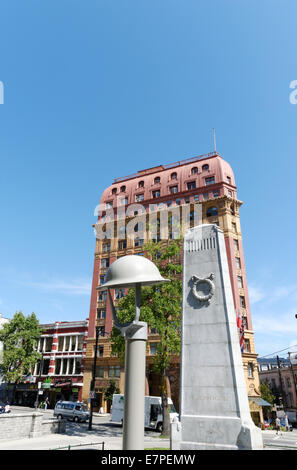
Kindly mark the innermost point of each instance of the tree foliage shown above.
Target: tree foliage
(266, 393)
(19, 337)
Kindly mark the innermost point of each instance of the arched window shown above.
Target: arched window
(157, 180)
(141, 184)
(114, 191)
(194, 170)
(211, 211)
(123, 189)
(205, 167)
(174, 176)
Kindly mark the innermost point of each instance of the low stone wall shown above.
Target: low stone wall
(30, 424)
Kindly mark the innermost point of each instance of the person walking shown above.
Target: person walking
(277, 425)
(46, 403)
(286, 423)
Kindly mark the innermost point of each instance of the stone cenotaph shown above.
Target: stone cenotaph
(214, 409)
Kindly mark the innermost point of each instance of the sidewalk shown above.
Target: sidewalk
(54, 441)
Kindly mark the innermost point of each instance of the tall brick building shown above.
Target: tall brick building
(206, 183)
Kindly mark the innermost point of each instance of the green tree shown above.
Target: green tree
(161, 309)
(267, 394)
(19, 337)
(109, 391)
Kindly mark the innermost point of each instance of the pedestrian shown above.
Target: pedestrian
(46, 403)
(277, 425)
(286, 423)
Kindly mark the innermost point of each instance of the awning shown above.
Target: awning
(259, 401)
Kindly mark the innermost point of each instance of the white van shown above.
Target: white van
(74, 410)
(153, 418)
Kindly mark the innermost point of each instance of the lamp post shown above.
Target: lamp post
(39, 376)
(92, 387)
(133, 271)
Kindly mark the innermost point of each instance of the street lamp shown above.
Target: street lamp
(133, 271)
(40, 371)
(92, 387)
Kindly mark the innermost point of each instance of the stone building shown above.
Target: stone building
(281, 376)
(204, 189)
(59, 375)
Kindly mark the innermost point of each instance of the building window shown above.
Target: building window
(210, 180)
(237, 262)
(122, 244)
(250, 369)
(123, 189)
(106, 247)
(80, 343)
(109, 205)
(138, 242)
(114, 191)
(101, 314)
(100, 372)
(114, 371)
(177, 202)
(141, 184)
(196, 198)
(57, 366)
(242, 301)
(48, 343)
(157, 180)
(174, 176)
(139, 197)
(77, 367)
(119, 294)
(212, 211)
(156, 194)
(194, 170)
(205, 196)
(45, 366)
(101, 331)
(228, 180)
(235, 244)
(101, 279)
(240, 282)
(191, 185)
(247, 347)
(100, 352)
(234, 227)
(205, 167)
(153, 348)
(173, 189)
(102, 295)
(105, 263)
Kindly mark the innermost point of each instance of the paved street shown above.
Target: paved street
(283, 441)
(77, 434)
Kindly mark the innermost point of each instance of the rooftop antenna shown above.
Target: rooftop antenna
(214, 139)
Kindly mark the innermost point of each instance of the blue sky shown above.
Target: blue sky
(98, 89)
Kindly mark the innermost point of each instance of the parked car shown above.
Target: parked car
(73, 410)
(4, 408)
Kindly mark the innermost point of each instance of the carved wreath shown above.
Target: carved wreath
(208, 280)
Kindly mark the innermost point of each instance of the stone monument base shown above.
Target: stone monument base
(215, 433)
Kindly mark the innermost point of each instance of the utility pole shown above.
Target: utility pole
(92, 387)
(280, 381)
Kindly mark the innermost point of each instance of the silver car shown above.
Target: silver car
(73, 410)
